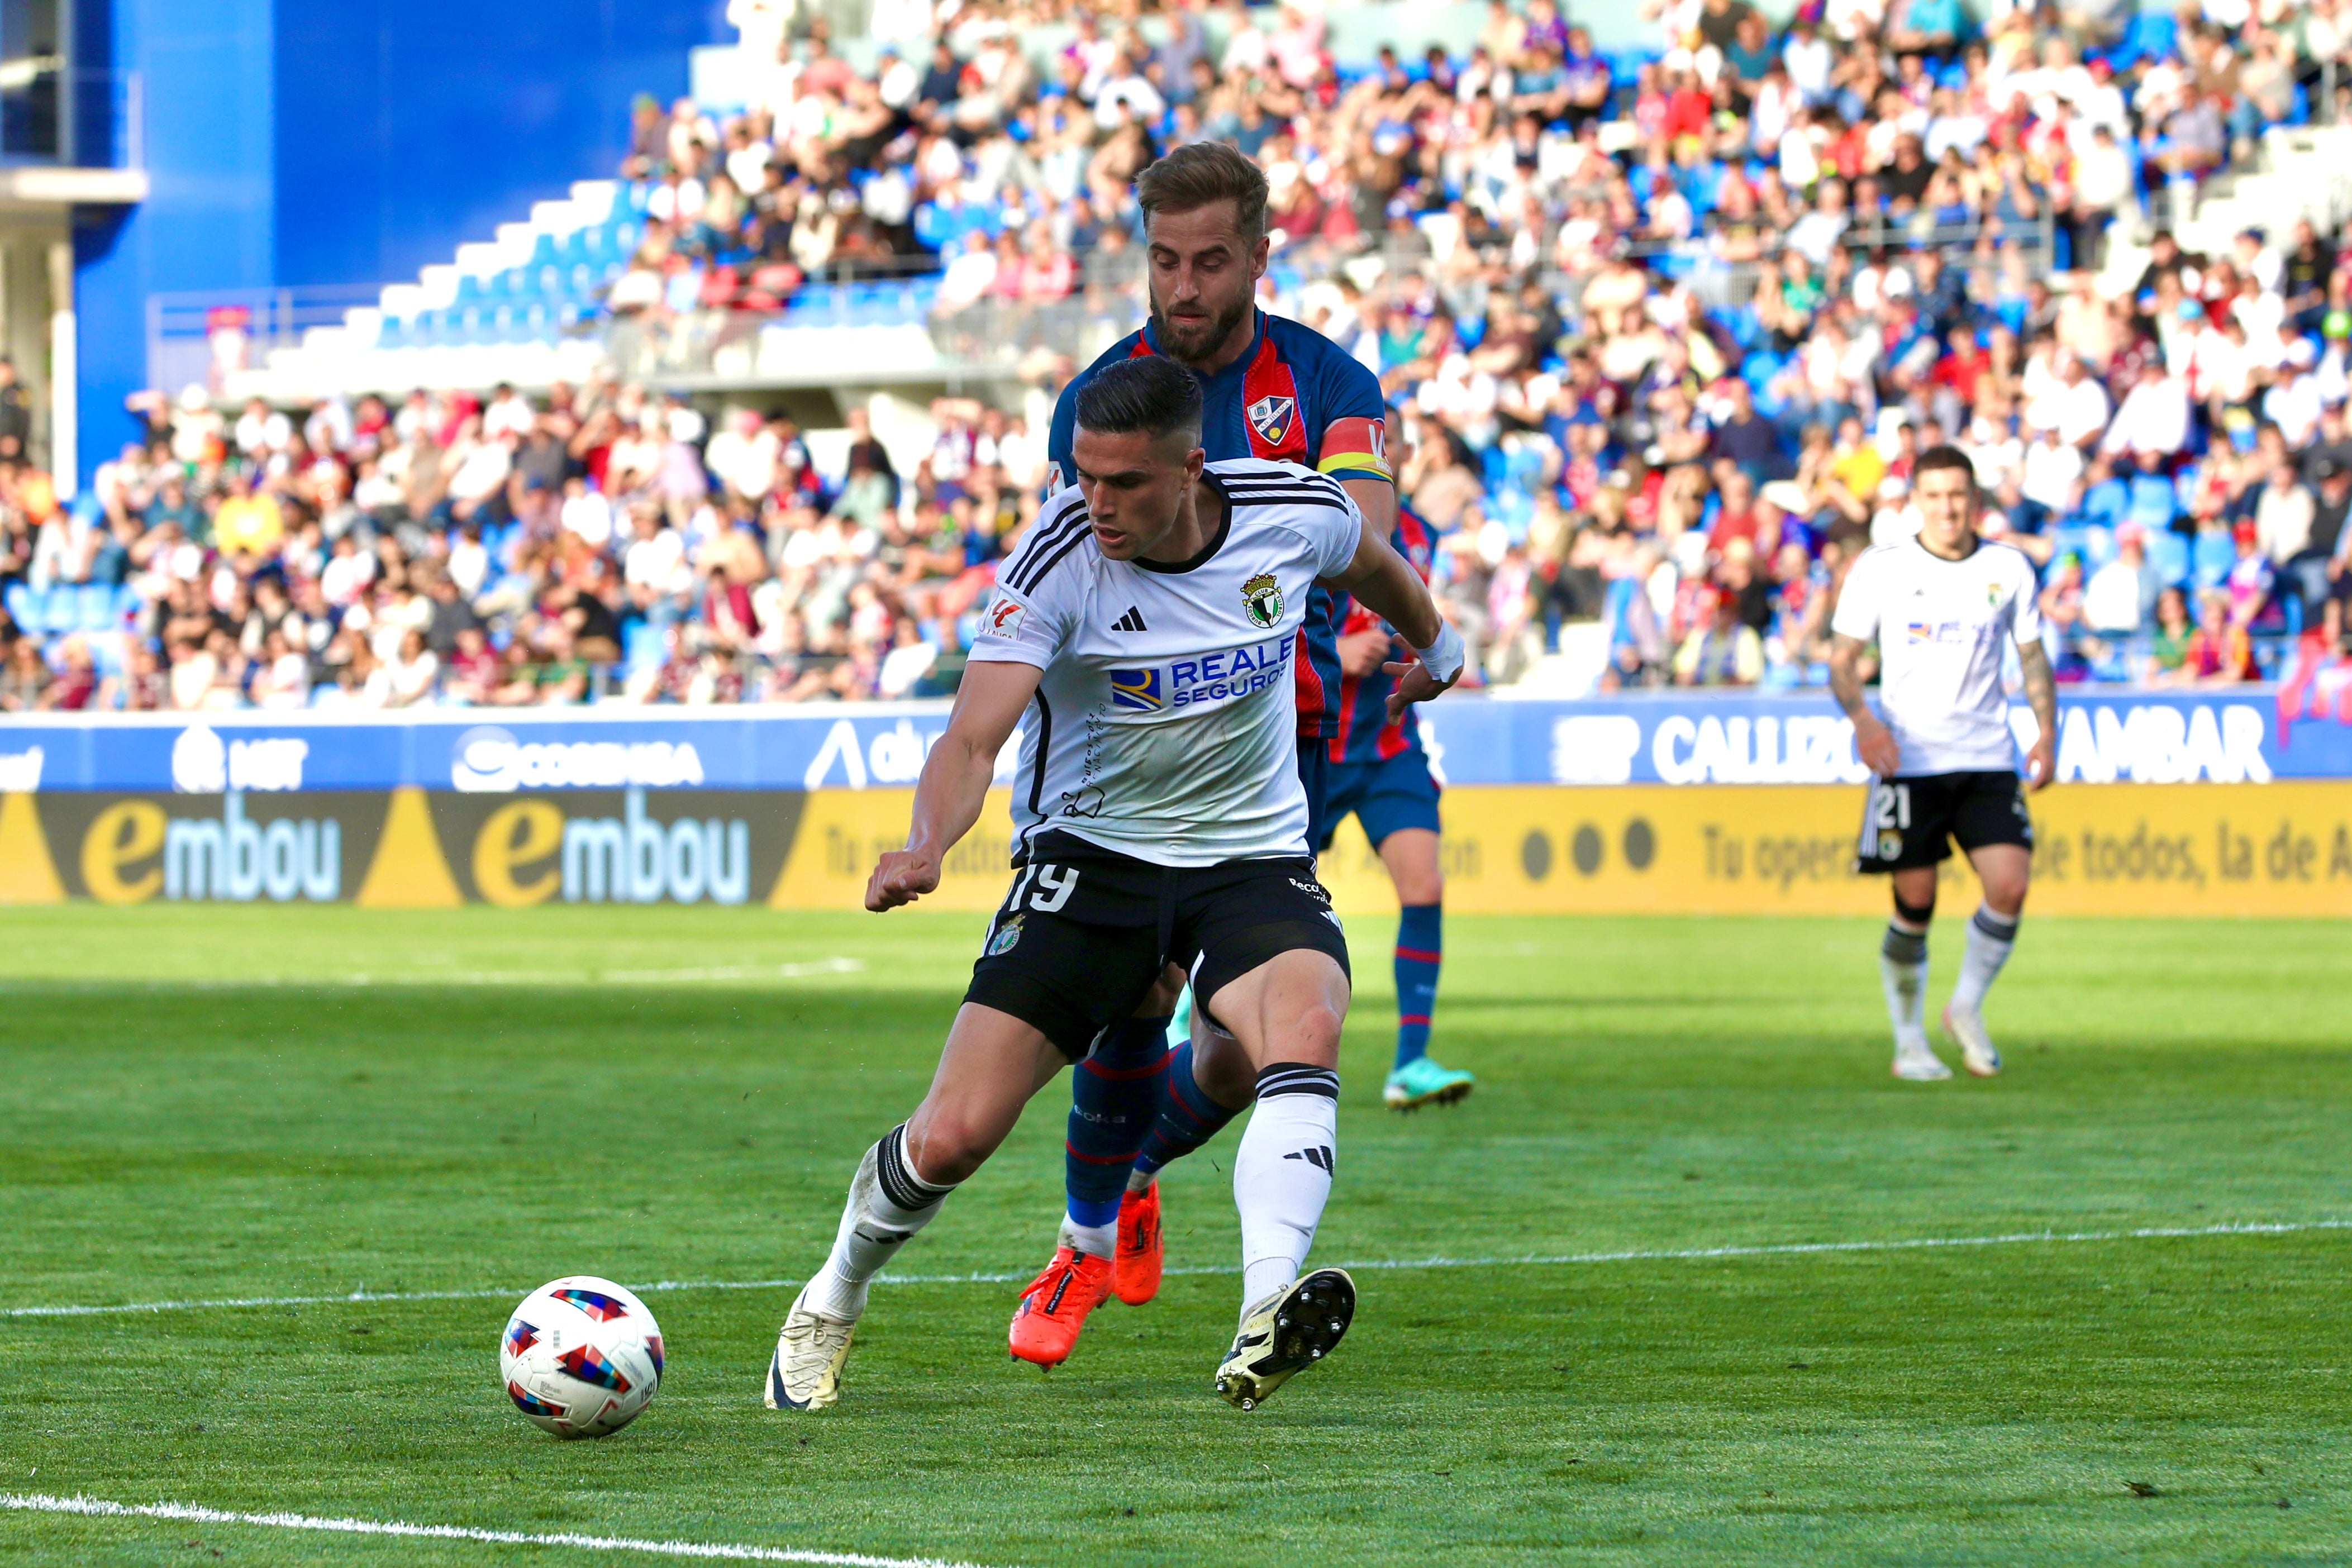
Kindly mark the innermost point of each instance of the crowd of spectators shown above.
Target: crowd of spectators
(1664, 331)
(597, 543)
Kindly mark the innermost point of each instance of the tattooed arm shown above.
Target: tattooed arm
(1872, 741)
(2042, 696)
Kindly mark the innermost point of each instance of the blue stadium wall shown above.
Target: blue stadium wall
(294, 142)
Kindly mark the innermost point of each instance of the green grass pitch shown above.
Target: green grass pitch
(484, 1099)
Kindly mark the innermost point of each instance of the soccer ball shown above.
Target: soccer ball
(582, 1357)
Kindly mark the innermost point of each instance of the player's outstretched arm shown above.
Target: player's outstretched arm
(1872, 741)
(1387, 586)
(2042, 696)
(954, 785)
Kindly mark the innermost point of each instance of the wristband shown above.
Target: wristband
(1446, 657)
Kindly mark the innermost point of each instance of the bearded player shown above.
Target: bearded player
(1942, 608)
(1277, 390)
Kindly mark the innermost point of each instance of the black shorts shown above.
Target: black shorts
(1911, 823)
(1085, 933)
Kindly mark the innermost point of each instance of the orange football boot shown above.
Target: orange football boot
(1054, 1307)
(1135, 1270)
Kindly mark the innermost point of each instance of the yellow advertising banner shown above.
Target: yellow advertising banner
(2279, 848)
(842, 833)
(2275, 849)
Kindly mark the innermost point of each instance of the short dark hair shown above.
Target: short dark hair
(1147, 393)
(1200, 173)
(1945, 456)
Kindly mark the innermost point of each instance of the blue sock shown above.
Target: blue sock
(1188, 1117)
(1419, 948)
(1114, 1100)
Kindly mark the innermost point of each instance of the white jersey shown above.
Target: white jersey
(1940, 626)
(1166, 725)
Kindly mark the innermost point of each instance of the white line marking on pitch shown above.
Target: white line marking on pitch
(100, 1508)
(816, 968)
(1681, 1254)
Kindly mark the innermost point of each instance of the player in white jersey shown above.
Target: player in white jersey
(1145, 625)
(1941, 608)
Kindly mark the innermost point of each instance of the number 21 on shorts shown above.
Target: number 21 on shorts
(1885, 821)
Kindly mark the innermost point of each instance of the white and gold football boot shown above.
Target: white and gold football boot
(805, 1373)
(1286, 1333)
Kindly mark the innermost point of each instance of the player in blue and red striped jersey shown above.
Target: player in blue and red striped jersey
(1381, 775)
(1276, 389)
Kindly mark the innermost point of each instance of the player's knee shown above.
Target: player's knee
(945, 1145)
(1418, 886)
(2005, 896)
(1314, 1035)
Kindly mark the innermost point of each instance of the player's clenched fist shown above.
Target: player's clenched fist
(900, 876)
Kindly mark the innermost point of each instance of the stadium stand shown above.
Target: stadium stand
(1666, 327)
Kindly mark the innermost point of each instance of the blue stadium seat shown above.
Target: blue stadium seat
(59, 609)
(2149, 35)
(2155, 502)
(641, 646)
(2215, 552)
(94, 606)
(2169, 553)
(2099, 548)
(19, 603)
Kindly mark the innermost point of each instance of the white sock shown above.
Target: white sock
(1281, 1176)
(1102, 1240)
(887, 1204)
(1989, 939)
(1902, 966)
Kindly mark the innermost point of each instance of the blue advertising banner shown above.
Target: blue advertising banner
(2234, 736)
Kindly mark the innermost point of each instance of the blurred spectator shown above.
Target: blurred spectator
(2219, 652)
(1723, 651)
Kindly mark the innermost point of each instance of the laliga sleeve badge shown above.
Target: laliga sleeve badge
(1261, 597)
(1005, 617)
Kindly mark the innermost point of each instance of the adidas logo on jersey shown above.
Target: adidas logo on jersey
(1131, 622)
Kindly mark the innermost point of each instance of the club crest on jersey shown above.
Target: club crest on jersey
(1138, 690)
(1007, 938)
(1261, 597)
(1992, 594)
(1272, 418)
